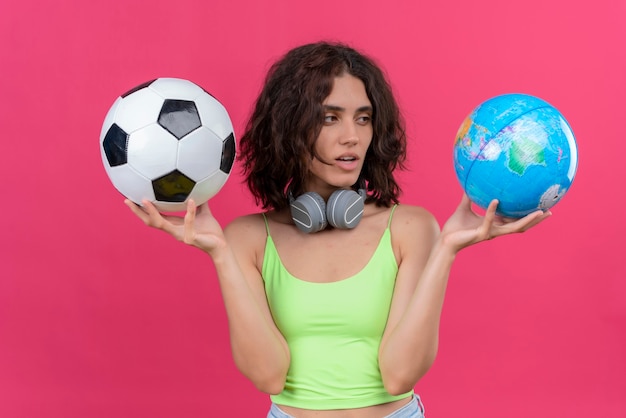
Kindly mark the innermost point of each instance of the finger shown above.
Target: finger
(525, 223)
(491, 209)
(137, 210)
(156, 219)
(147, 213)
(466, 203)
(488, 220)
(190, 217)
(540, 217)
(464, 206)
(150, 208)
(203, 208)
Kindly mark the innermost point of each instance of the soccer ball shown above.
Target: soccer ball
(167, 141)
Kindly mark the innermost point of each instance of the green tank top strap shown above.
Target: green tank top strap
(267, 226)
(390, 215)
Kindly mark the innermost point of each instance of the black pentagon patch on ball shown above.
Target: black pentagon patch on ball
(137, 88)
(115, 144)
(179, 117)
(172, 187)
(228, 154)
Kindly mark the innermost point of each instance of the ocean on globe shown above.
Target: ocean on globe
(518, 149)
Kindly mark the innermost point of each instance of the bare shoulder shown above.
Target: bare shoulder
(246, 233)
(246, 224)
(411, 217)
(414, 225)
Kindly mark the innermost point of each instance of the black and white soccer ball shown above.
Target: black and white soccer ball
(168, 141)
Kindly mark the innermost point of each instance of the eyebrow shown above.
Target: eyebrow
(342, 109)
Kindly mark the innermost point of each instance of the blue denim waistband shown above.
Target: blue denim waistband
(414, 409)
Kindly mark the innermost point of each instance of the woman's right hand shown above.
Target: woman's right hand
(198, 227)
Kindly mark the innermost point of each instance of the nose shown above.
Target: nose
(350, 135)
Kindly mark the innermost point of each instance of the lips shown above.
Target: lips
(347, 161)
(348, 157)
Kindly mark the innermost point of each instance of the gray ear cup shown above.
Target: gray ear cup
(309, 212)
(345, 208)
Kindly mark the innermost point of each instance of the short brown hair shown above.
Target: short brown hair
(279, 138)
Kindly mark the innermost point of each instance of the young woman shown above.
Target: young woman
(334, 292)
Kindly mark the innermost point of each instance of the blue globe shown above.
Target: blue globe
(518, 149)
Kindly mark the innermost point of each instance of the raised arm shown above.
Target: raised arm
(410, 342)
(259, 350)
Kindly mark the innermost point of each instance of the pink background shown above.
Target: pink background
(102, 317)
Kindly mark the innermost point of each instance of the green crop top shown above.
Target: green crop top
(333, 331)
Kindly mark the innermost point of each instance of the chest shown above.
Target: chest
(328, 256)
(355, 306)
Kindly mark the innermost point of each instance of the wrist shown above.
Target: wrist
(220, 254)
(445, 248)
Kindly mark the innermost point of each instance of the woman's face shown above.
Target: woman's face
(345, 136)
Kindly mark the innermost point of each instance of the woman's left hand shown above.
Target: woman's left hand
(465, 227)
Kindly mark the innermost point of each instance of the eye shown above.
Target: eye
(364, 119)
(329, 118)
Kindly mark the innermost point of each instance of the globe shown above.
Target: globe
(518, 149)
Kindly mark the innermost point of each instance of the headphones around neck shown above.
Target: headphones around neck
(343, 210)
